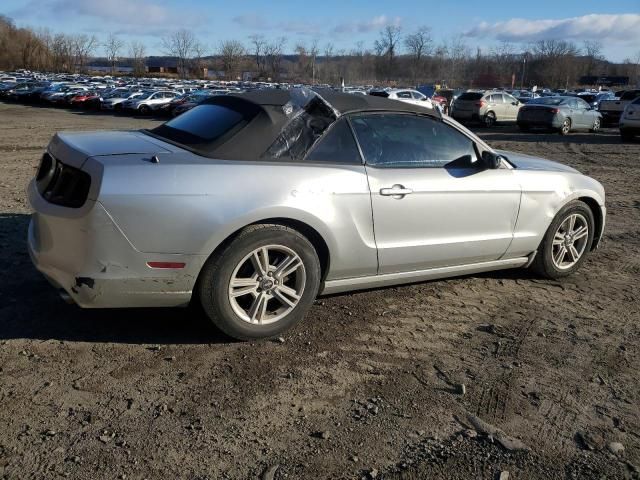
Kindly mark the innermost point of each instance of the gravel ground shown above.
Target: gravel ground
(368, 386)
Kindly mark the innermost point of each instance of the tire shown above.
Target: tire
(596, 125)
(239, 314)
(489, 119)
(144, 110)
(565, 129)
(544, 263)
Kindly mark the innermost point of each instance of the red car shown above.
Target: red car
(85, 100)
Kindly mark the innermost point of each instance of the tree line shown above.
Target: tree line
(394, 58)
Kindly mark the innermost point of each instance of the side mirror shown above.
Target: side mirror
(491, 160)
(515, 103)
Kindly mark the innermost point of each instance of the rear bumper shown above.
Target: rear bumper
(90, 258)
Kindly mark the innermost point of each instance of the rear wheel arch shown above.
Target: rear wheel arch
(309, 232)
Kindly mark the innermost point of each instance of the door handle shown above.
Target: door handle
(397, 191)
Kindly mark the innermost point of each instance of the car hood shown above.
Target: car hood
(528, 162)
(74, 148)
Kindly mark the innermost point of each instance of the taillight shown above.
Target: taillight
(61, 184)
(555, 110)
(480, 104)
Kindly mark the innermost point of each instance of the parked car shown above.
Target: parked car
(445, 97)
(630, 121)
(524, 96)
(488, 107)
(87, 99)
(404, 95)
(115, 100)
(613, 108)
(145, 104)
(564, 114)
(253, 204)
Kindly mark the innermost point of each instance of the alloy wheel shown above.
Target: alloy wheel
(570, 241)
(596, 125)
(489, 119)
(566, 127)
(267, 284)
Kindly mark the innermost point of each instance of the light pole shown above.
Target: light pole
(524, 66)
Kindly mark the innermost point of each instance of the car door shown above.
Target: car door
(496, 104)
(512, 107)
(433, 203)
(586, 115)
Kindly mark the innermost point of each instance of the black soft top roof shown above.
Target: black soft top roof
(267, 122)
(342, 102)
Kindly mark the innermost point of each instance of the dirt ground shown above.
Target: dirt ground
(367, 387)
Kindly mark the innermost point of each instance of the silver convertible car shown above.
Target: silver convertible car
(253, 204)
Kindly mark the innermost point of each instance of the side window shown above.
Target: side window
(496, 98)
(510, 99)
(336, 146)
(404, 94)
(417, 95)
(410, 141)
(582, 104)
(573, 103)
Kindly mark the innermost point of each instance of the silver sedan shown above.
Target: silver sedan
(253, 204)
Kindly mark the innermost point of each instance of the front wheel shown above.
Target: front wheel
(565, 128)
(566, 242)
(596, 125)
(261, 283)
(144, 110)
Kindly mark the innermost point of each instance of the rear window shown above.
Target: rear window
(205, 124)
(471, 96)
(379, 93)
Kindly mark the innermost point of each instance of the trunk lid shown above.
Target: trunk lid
(73, 149)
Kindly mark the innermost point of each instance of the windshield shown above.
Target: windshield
(546, 101)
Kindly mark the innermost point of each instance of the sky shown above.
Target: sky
(342, 23)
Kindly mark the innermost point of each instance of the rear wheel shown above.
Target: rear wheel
(565, 128)
(489, 119)
(566, 242)
(144, 110)
(261, 283)
(596, 125)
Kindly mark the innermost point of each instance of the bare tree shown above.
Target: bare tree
(180, 44)
(112, 47)
(273, 54)
(593, 52)
(83, 46)
(386, 46)
(231, 53)
(198, 53)
(137, 52)
(259, 45)
(313, 55)
(419, 45)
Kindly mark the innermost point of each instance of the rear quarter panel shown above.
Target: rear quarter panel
(190, 204)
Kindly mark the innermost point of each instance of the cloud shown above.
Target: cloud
(376, 23)
(252, 21)
(615, 28)
(145, 15)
